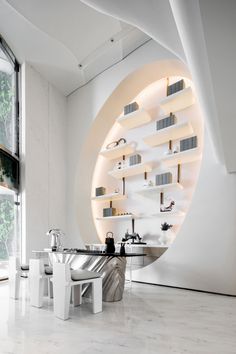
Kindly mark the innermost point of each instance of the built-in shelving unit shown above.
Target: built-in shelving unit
(178, 101)
(172, 132)
(119, 217)
(118, 151)
(110, 197)
(134, 119)
(182, 157)
(185, 127)
(131, 170)
(153, 192)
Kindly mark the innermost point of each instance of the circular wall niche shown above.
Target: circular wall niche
(138, 197)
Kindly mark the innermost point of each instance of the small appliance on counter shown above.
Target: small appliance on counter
(109, 241)
(55, 242)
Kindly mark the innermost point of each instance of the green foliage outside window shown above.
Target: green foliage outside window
(6, 100)
(6, 226)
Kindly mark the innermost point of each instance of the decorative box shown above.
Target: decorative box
(166, 122)
(189, 143)
(131, 108)
(100, 191)
(135, 159)
(163, 178)
(109, 212)
(177, 86)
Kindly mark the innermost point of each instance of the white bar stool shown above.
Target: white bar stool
(16, 271)
(39, 277)
(64, 280)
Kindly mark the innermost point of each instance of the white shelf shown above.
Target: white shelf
(178, 101)
(118, 151)
(111, 196)
(152, 192)
(182, 157)
(119, 217)
(134, 119)
(131, 170)
(174, 213)
(173, 132)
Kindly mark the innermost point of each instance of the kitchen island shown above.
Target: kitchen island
(112, 266)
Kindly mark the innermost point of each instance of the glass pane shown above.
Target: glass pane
(7, 104)
(9, 238)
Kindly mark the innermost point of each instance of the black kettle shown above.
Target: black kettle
(109, 241)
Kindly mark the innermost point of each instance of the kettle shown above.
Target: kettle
(55, 235)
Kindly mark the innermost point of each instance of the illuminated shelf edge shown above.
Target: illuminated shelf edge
(131, 170)
(116, 152)
(111, 196)
(178, 101)
(160, 188)
(134, 119)
(172, 132)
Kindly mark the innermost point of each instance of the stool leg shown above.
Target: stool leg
(14, 277)
(36, 291)
(97, 295)
(14, 286)
(77, 295)
(50, 289)
(61, 301)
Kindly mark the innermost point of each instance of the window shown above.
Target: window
(9, 153)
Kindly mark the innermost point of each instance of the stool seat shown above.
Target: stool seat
(24, 266)
(82, 274)
(48, 270)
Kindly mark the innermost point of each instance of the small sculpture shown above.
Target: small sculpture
(164, 209)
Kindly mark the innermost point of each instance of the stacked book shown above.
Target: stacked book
(134, 159)
(166, 122)
(177, 86)
(131, 108)
(189, 143)
(163, 178)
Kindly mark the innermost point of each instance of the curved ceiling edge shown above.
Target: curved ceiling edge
(121, 12)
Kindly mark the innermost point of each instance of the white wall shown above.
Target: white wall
(43, 160)
(203, 255)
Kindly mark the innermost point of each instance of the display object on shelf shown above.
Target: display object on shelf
(135, 159)
(120, 165)
(168, 208)
(189, 143)
(163, 178)
(100, 191)
(165, 226)
(166, 122)
(116, 143)
(177, 86)
(129, 108)
(109, 212)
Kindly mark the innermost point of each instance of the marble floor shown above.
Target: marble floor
(150, 319)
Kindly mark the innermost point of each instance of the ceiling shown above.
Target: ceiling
(57, 36)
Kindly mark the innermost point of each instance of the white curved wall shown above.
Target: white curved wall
(203, 256)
